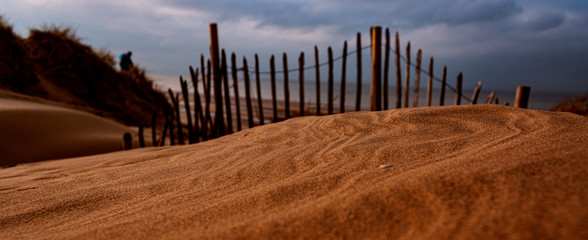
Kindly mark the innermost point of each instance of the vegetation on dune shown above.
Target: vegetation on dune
(53, 63)
(577, 105)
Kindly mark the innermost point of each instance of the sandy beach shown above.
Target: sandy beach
(455, 172)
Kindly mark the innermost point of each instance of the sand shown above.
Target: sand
(32, 131)
(457, 172)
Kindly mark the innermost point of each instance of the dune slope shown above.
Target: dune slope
(481, 171)
(32, 132)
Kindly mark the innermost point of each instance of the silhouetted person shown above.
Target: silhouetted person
(125, 61)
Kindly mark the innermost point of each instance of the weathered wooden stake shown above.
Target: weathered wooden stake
(522, 97)
(343, 77)
(225, 78)
(184, 85)
(171, 128)
(490, 98)
(458, 88)
(301, 82)
(219, 121)
(359, 66)
(273, 82)
(443, 84)
(398, 73)
(386, 69)
(417, 78)
(236, 89)
(248, 93)
(286, 85)
(141, 137)
(207, 118)
(330, 81)
(164, 132)
(376, 86)
(154, 129)
(407, 79)
(318, 81)
(198, 112)
(476, 93)
(127, 142)
(430, 83)
(175, 100)
(258, 84)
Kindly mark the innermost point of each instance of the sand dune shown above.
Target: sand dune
(474, 172)
(32, 132)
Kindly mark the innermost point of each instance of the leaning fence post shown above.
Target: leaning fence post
(236, 89)
(376, 86)
(386, 68)
(417, 78)
(198, 114)
(490, 97)
(522, 97)
(407, 79)
(430, 83)
(161, 141)
(154, 129)
(225, 78)
(178, 120)
(476, 93)
(273, 82)
(127, 142)
(258, 84)
(184, 84)
(398, 73)
(458, 89)
(318, 81)
(219, 121)
(359, 66)
(247, 93)
(141, 137)
(286, 85)
(330, 82)
(171, 128)
(208, 125)
(301, 81)
(443, 83)
(343, 76)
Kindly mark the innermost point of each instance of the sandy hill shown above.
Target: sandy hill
(457, 172)
(53, 63)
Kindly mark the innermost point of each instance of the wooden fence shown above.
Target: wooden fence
(213, 75)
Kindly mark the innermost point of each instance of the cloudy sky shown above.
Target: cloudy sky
(504, 43)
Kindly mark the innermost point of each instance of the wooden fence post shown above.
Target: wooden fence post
(198, 113)
(398, 73)
(386, 68)
(376, 86)
(476, 93)
(248, 93)
(171, 127)
(258, 83)
(236, 89)
(273, 82)
(458, 88)
(225, 78)
(176, 104)
(522, 97)
(185, 96)
(330, 81)
(286, 85)
(208, 125)
(318, 81)
(407, 79)
(154, 129)
(490, 97)
(301, 81)
(417, 78)
(443, 84)
(164, 132)
(359, 66)
(141, 137)
(127, 142)
(343, 77)
(219, 121)
(430, 83)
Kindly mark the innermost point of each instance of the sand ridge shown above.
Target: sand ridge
(481, 171)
